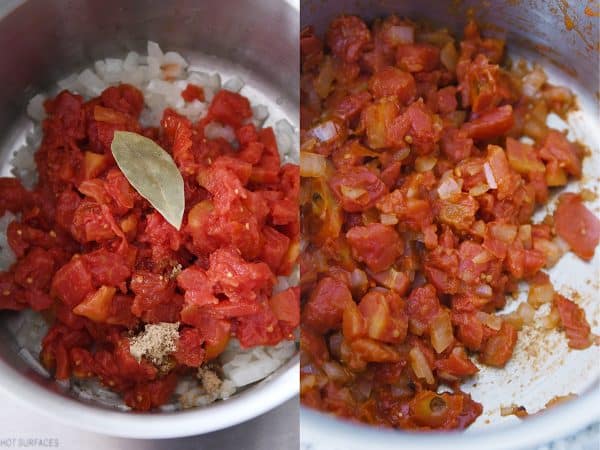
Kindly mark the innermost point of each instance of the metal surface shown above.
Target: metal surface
(41, 42)
(564, 40)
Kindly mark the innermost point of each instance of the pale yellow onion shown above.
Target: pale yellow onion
(489, 320)
(336, 372)
(482, 257)
(526, 312)
(400, 34)
(478, 190)
(524, 235)
(419, 365)
(551, 320)
(388, 219)
(448, 187)
(550, 249)
(533, 81)
(504, 232)
(484, 290)
(449, 56)
(441, 332)
(489, 176)
(540, 294)
(425, 163)
(312, 165)
(325, 131)
(352, 192)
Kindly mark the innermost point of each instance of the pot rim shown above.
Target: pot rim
(555, 423)
(264, 396)
(259, 399)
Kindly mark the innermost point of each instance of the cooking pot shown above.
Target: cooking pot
(562, 37)
(44, 41)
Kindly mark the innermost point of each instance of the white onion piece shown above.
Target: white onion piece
(420, 366)
(489, 176)
(449, 56)
(526, 312)
(478, 190)
(401, 34)
(489, 320)
(484, 290)
(540, 294)
(448, 187)
(352, 193)
(335, 372)
(533, 81)
(312, 165)
(388, 219)
(441, 332)
(425, 163)
(325, 131)
(483, 257)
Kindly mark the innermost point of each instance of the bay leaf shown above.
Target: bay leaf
(152, 172)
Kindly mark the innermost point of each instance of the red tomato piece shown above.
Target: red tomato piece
(357, 188)
(229, 108)
(378, 246)
(347, 36)
(325, 307)
(193, 92)
(579, 227)
(574, 323)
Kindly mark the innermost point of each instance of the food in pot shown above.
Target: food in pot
(423, 159)
(157, 234)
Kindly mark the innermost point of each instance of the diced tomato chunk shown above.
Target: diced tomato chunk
(577, 225)
(574, 323)
(376, 245)
(229, 108)
(325, 307)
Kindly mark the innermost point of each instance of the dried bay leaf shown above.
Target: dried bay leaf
(152, 172)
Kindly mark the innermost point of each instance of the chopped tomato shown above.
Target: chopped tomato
(577, 225)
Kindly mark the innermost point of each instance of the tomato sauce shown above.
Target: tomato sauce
(417, 197)
(100, 262)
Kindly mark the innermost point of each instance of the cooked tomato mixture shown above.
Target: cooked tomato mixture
(100, 262)
(422, 162)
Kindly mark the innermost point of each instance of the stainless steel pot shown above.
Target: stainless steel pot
(561, 37)
(43, 41)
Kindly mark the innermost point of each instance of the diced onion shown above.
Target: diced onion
(540, 294)
(483, 257)
(533, 81)
(336, 372)
(352, 192)
(449, 56)
(425, 163)
(448, 187)
(526, 312)
(550, 249)
(325, 131)
(489, 320)
(525, 235)
(312, 165)
(552, 320)
(489, 176)
(478, 228)
(441, 332)
(484, 290)
(388, 219)
(504, 232)
(420, 366)
(401, 34)
(478, 190)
